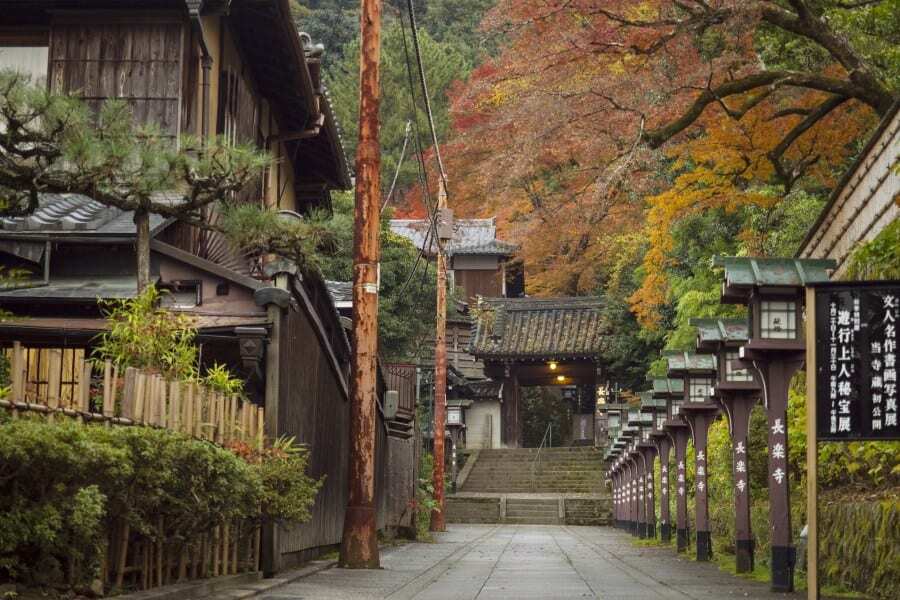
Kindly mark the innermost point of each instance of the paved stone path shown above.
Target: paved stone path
(524, 562)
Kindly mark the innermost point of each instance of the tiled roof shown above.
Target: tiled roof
(75, 288)
(744, 271)
(663, 386)
(682, 362)
(340, 291)
(76, 214)
(470, 236)
(722, 330)
(552, 328)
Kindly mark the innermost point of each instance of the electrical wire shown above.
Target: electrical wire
(399, 166)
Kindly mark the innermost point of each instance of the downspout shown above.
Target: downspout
(206, 63)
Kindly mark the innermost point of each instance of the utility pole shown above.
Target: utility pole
(444, 226)
(359, 545)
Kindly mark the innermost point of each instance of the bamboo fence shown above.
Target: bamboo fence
(62, 382)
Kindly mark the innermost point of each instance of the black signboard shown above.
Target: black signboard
(857, 332)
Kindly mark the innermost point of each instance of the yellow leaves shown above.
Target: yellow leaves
(644, 11)
(503, 91)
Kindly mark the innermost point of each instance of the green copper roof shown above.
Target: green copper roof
(664, 386)
(681, 362)
(722, 330)
(747, 271)
(653, 404)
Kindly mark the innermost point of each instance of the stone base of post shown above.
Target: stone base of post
(704, 546)
(665, 532)
(744, 556)
(682, 540)
(784, 558)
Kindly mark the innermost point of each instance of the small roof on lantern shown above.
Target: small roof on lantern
(744, 273)
(690, 363)
(664, 387)
(649, 404)
(713, 332)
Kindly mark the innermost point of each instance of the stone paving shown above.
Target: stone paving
(525, 562)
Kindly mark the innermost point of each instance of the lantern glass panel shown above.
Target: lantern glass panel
(645, 435)
(613, 420)
(660, 421)
(699, 391)
(778, 320)
(732, 371)
(676, 407)
(454, 416)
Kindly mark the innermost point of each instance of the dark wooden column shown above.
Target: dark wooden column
(701, 416)
(777, 374)
(738, 407)
(649, 454)
(682, 529)
(640, 507)
(510, 411)
(664, 445)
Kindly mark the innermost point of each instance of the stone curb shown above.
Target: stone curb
(230, 587)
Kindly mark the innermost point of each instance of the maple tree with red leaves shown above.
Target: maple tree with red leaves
(594, 110)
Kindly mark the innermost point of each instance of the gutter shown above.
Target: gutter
(206, 62)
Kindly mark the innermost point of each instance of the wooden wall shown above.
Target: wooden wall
(314, 409)
(139, 62)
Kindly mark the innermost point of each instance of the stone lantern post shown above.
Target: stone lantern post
(738, 390)
(698, 372)
(772, 290)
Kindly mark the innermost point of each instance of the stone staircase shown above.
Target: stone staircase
(563, 486)
(577, 470)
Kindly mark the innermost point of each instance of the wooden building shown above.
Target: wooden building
(234, 68)
(864, 202)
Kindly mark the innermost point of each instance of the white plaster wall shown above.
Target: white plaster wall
(476, 423)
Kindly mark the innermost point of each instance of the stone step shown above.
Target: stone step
(532, 521)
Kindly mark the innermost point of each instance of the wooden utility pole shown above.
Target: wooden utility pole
(443, 234)
(359, 545)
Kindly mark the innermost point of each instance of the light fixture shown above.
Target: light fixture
(560, 378)
(553, 365)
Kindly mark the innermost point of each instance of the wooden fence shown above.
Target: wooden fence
(62, 380)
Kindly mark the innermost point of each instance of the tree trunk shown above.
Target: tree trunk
(142, 248)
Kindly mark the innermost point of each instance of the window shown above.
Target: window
(699, 390)
(26, 53)
(732, 371)
(778, 320)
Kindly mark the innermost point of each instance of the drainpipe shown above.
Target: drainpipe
(206, 63)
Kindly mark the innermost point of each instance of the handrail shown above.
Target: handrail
(548, 435)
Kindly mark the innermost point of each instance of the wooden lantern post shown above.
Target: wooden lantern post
(698, 371)
(737, 390)
(772, 289)
(663, 391)
(679, 431)
(655, 412)
(630, 467)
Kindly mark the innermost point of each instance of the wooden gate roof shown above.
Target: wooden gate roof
(538, 329)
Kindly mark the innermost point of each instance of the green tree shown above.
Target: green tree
(406, 303)
(444, 64)
(55, 143)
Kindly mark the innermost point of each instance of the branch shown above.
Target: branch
(789, 176)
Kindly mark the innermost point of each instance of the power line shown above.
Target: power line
(399, 165)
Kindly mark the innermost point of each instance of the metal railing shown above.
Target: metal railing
(546, 439)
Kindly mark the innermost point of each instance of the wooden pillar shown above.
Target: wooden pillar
(700, 420)
(664, 445)
(640, 507)
(510, 411)
(777, 373)
(682, 534)
(738, 408)
(649, 495)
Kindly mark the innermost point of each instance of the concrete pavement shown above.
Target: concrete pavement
(524, 562)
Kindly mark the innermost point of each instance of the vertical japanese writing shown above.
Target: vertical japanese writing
(884, 398)
(832, 365)
(845, 337)
(700, 463)
(778, 452)
(681, 478)
(740, 467)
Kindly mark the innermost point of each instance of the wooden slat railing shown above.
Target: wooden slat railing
(62, 381)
